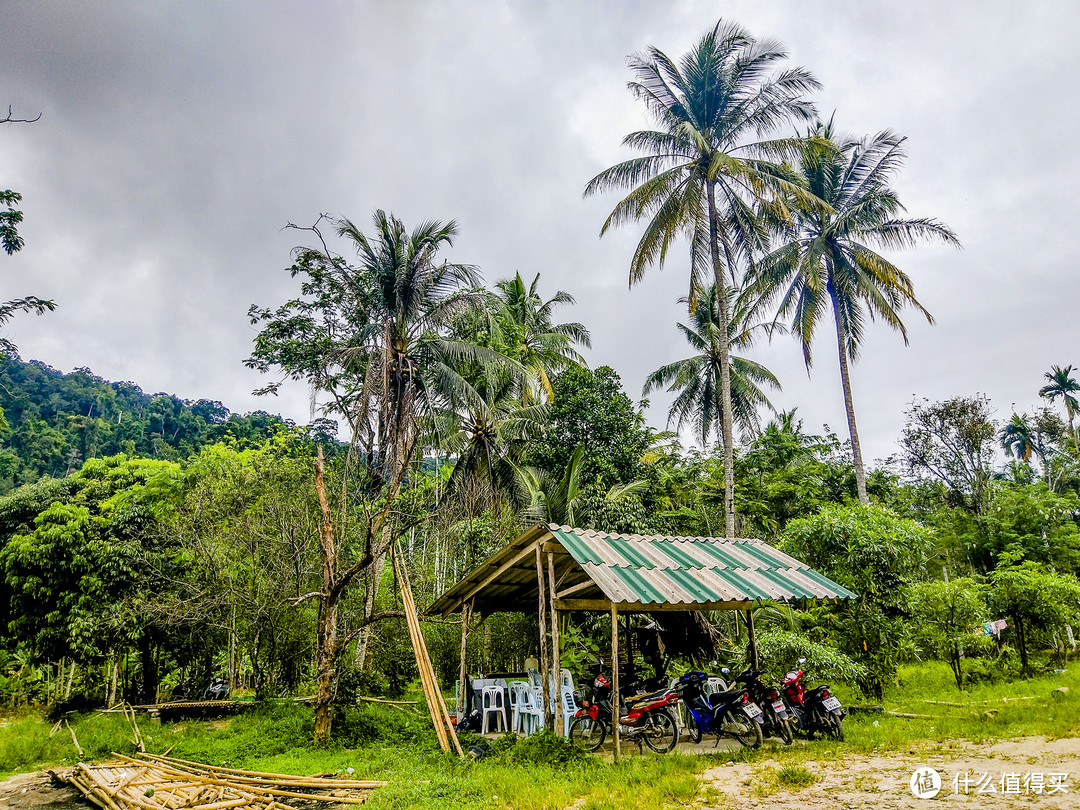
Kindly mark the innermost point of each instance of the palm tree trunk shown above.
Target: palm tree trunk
(849, 404)
(725, 368)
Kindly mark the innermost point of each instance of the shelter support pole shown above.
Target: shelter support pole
(751, 638)
(556, 670)
(615, 678)
(463, 676)
(545, 667)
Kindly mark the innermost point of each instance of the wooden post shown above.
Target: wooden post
(463, 677)
(544, 668)
(752, 638)
(556, 670)
(615, 678)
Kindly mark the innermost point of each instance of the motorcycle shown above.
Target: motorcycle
(729, 713)
(816, 710)
(776, 721)
(218, 689)
(646, 718)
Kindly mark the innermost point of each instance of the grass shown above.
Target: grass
(387, 743)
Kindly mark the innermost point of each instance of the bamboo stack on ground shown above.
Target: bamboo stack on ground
(163, 783)
(440, 715)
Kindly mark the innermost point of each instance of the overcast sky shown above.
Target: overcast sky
(177, 139)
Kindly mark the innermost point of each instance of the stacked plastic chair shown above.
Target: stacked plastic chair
(528, 717)
(492, 703)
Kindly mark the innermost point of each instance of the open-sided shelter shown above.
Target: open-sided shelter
(555, 568)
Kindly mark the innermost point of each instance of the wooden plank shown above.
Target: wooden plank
(556, 671)
(545, 667)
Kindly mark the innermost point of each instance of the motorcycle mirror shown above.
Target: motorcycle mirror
(725, 671)
(802, 661)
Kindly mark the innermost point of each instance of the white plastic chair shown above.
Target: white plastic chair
(493, 704)
(526, 712)
(570, 708)
(538, 702)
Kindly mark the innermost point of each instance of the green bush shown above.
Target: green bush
(543, 748)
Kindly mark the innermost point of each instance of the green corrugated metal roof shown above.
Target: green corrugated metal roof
(648, 569)
(632, 569)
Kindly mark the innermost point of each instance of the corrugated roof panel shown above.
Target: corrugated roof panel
(722, 555)
(647, 570)
(681, 558)
(693, 585)
(630, 553)
(579, 549)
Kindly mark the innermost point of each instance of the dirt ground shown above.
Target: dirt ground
(861, 781)
(37, 791)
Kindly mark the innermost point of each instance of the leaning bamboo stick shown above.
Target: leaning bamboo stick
(420, 650)
(424, 661)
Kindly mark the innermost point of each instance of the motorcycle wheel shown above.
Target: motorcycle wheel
(587, 733)
(750, 734)
(694, 731)
(835, 728)
(663, 733)
(783, 731)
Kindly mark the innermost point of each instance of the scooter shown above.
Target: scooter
(776, 720)
(647, 718)
(218, 689)
(730, 713)
(816, 710)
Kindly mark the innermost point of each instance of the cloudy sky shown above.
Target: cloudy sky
(177, 139)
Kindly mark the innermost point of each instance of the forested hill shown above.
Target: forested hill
(55, 421)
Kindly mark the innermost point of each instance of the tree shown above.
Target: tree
(828, 259)
(12, 242)
(876, 554)
(591, 410)
(1034, 599)
(1061, 385)
(704, 171)
(953, 442)
(372, 337)
(530, 336)
(697, 378)
(944, 613)
(1018, 439)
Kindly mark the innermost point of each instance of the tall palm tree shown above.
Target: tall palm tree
(706, 168)
(828, 259)
(526, 324)
(1018, 439)
(697, 378)
(1060, 384)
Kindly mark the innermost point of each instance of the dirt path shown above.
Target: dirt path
(864, 781)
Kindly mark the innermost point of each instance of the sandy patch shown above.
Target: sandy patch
(882, 782)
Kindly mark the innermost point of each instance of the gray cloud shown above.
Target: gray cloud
(178, 139)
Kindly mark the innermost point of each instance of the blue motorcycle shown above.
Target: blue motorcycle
(729, 713)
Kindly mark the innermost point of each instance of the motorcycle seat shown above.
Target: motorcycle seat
(725, 697)
(817, 690)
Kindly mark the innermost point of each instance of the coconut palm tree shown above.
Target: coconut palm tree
(828, 259)
(1018, 439)
(1060, 384)
(697, 378)
(705, 170)
(526, 327)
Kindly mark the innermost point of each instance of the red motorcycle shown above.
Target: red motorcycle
(647, 718)
(816, 710)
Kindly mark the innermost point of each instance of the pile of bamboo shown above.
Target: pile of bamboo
(164, 783)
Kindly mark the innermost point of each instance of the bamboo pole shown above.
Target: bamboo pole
(463, 675)
(444, 729)
(545, 671)
(615, 678)
(556, 671)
